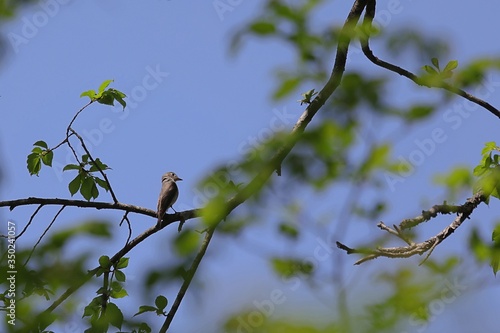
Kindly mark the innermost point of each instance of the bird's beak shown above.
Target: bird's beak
(178, 178)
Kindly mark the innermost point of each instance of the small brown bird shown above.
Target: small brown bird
(168, 194)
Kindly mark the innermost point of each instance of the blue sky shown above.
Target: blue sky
(192, 107)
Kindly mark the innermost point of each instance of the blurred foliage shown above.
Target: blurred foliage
(402, 300)
(328, 155)
(487, 251)
(488, 171)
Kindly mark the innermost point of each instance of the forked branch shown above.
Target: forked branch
(463, 212)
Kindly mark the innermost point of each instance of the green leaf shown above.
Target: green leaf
(122, 263)
(495, 249)
(94, 191)
(161, 302)
(104, 85)
(119, 96)
(489, 147)
(289, 230)
(98, 165)
(87, 188)
(104, 261)
(71, 167)
(478, 247)
(456, 178)
(186, 242)
(34, 164)
(41, 144)
(435, 62)
(37, 150)
(430, 70)
(419, 112)
(288, 267)
(106, 98)
(114, 315)
(89, 93)
(101, 183)
(495, 235)
(145, 308)
(93, 307)
(120, 276)
(286, 87)
(118, 293)
(263, 28)
(120, 100)
(378, 158)
(47, 157)
(74, 185)
(451, 66)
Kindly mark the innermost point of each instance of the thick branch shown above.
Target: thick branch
(170, 218)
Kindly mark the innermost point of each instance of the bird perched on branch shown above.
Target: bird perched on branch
(168, 194)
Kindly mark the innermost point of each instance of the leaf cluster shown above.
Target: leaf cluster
(86, 181)
(106, 96)
(488, 171)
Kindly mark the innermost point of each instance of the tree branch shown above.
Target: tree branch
(169, 218)
(430, 244)
(365, 46)
(187, 280)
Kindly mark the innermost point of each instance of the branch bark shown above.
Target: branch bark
(465, 210)
(365, 46)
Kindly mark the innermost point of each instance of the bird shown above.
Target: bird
(168, 194)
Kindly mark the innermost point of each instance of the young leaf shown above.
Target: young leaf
(120, 276)
(488, 147)
(104, 85)
(161, 302)
(451, 66)
(435, 62)
(263, 27)
(122, 263)
(89, 93)
(104, 261)
(430, 70)
(145, 308)
(118, 293)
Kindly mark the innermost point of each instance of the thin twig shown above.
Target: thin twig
(29, 221)
(125, 218)
(113, 196)
(76, 115)
(43, 234)
(365, 47)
